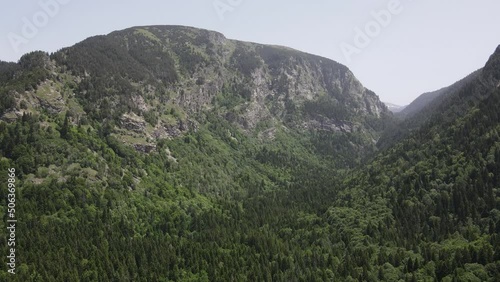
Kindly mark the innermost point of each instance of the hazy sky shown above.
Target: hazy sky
(407, 47)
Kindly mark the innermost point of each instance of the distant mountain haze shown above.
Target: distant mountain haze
(394, 108)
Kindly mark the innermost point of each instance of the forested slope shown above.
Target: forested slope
(204, 159)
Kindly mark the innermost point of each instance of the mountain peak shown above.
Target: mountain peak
(492, 67)
(155, 82)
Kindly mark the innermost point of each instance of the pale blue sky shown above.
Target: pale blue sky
(426, 45)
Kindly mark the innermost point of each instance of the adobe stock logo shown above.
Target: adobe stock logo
(223, 6)
(31, 26)
(372, 29)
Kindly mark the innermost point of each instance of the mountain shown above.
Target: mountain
(421, 102)
(441, 179)
(170, 153)
(156, 82)
(431, 99)
(447, 103)
(394, 108)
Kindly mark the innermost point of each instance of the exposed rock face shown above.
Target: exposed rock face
(163, 131)
(169, 76)
(12, 116)
(327, 125)
(140, 103)
(266, 82)
(133, 123)
(145, 148)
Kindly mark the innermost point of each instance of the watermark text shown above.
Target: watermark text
(31, 26)
(363, 37)
(11, 220)
(222, 7)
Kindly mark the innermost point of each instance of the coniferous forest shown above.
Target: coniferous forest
(161, 154)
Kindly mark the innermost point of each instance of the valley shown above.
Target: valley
(170, 153)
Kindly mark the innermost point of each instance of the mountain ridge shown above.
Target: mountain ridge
(424, 100)
(173, 154)
(161, 79)
(445, 104)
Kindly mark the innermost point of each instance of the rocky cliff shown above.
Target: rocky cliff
(158, 81)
